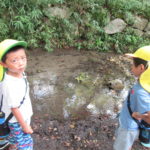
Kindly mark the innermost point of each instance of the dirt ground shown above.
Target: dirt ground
(93, 133)
(90, 133)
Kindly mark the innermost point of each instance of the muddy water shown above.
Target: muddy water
(71, 84)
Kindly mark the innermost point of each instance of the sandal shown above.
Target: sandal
(12, 147)
(3, 144)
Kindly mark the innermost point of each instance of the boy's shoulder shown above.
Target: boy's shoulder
(139, 90)
(10, 78)
(10, 82)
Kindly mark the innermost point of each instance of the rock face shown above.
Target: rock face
(141, 26)
(57, 12)
(138, 32)
(115, 26)
(116, 85)
(147, 34)
(140, 23)
(148, 27)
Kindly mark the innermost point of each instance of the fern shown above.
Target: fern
(36, 14)
(27, 20)
(3, 28)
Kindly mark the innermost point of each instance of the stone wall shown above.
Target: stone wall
(141, 26)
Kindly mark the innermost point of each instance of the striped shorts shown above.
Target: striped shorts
(17, 137)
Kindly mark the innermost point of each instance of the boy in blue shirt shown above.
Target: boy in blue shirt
(128, 130)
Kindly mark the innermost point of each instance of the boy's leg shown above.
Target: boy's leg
(18, 138)
(125, 139)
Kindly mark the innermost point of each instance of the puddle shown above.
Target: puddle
(70, 84)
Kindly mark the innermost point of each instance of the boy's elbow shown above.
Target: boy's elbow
(14, 109)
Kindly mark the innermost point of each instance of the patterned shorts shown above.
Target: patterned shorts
(17, 137)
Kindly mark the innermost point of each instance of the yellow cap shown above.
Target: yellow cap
(145, 79)
(5, 46)
(143, 53)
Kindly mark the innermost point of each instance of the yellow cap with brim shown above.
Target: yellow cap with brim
(145, 79)
(5, 46)
(143, 53)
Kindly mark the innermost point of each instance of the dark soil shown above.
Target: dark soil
(93, 133)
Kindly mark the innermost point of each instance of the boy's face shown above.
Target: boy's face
(137, 70)
(16, 62)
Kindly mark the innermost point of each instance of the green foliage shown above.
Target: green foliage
(32, 21)
(82, 77)
(140, 7)
(3, 28)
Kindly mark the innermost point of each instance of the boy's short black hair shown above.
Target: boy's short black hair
(13, 49)
(139, 61)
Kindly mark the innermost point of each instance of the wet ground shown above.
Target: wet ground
(93, 133)
(84, 131)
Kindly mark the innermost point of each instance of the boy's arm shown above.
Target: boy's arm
(145, 117)
(137, 115)
(26, 128)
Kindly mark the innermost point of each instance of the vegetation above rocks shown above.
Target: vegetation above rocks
(51, 24)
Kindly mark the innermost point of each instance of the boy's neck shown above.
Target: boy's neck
(17, 75)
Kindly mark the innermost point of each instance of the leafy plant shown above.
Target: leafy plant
(82, 28)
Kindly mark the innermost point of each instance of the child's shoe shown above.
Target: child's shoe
(3, 144)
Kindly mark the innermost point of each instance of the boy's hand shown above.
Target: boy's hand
(146, 117)
(28, 129)
(137, 115)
